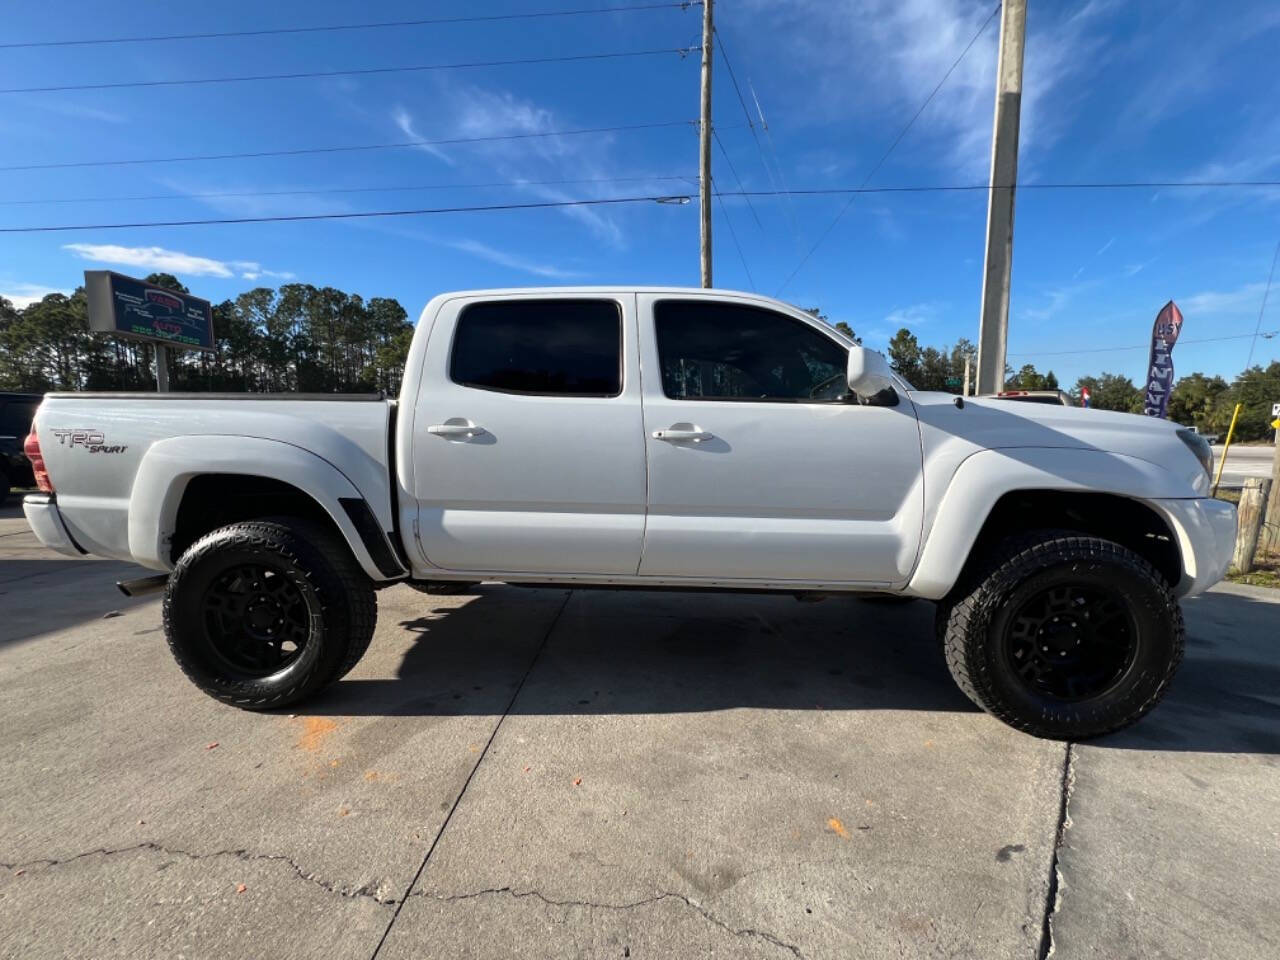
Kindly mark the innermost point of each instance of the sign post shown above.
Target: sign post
(132, 308)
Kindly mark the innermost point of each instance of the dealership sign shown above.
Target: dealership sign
(134, 308)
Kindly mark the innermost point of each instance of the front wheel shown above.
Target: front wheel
(265, 613)
(1063, 636)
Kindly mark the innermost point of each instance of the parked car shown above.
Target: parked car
(17, 410)
(660, 438)
(1059, 397)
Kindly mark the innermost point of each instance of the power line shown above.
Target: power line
(750, 124)
(742, 191)
(375, 25)
(885, 156)
(1263, 309)
(356, 215)
(367, 71)
(777, 162)
(961, 188)
(449, 141)
(667, 199)
(342, 190)
(1139, 346)
(734, 234)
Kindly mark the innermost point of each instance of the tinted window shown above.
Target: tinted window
(565, 347)
(723, 351)
(16, 417)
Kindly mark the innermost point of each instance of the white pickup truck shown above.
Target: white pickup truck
(651, 438)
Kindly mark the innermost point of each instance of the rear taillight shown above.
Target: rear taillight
(31, 447)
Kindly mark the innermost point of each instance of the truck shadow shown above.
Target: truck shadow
(621, 652)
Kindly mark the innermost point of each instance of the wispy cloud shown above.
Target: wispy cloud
(483, 112)
(24, 294)
(514, 261)
(913, 315)
(893, 52)
(77, 111)
(1243, 300)
(400, 116)
(171, 261)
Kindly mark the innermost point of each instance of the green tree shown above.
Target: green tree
(904, 355)
(1194, 399)
(1028, 378)
(1110, 391)
(840, 325)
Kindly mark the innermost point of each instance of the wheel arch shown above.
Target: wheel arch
(998, 492)
(187, 486)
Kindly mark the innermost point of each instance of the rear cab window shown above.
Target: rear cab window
(565, 348)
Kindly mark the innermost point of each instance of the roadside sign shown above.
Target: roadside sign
(1275, 424)
(1275, 409)
(953, 381)
(129, 307)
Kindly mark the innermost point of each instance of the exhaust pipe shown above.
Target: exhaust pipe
(142, 585)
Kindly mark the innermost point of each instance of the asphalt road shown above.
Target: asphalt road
(1242, 462)
(538, 773)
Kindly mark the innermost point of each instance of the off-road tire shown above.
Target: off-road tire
(339, 601)
(970, 628)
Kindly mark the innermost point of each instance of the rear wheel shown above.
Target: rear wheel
(264, 613)
(1062, 635)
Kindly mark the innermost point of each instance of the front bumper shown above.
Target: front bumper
(41, 510)
(1206, 532)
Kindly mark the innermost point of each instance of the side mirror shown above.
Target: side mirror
(868, 372)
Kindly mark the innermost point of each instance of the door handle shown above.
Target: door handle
(676, 436)
(455, 430)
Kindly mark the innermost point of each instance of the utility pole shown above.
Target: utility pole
(998, 266)
(967, 358)
(704, 144)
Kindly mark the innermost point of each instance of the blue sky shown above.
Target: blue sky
(1114, 90)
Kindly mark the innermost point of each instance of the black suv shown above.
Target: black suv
(17, 410)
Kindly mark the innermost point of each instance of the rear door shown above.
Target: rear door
(759, 468)
(528, 442)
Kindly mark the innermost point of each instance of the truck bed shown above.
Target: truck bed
(120, 461)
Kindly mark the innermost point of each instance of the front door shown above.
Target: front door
(528, 449)
(760, 468)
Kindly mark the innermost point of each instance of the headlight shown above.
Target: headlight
(1200, 447)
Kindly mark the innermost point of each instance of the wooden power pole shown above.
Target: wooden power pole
(998, 267)
(704, 144)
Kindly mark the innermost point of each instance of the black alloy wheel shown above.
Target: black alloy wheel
(256, 619)
(1071, 642)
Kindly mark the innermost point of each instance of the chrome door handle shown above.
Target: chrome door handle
(675, 436)
(455, 430)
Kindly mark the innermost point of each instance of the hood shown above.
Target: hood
(989, 423)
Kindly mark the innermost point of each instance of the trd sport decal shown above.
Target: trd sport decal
(91, 440)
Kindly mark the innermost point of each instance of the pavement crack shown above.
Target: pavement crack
(362, 891)
(1053, 895)
(631, 905)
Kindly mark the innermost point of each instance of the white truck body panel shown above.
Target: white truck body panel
(485, 483)
(553, 484)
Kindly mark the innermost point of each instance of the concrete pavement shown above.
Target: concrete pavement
(550, 774)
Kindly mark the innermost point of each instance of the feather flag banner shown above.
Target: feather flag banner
(1164, 334)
